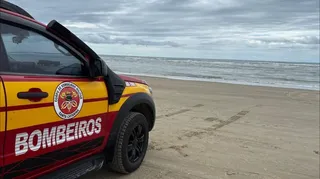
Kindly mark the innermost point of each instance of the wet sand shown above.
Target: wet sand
(212, 130)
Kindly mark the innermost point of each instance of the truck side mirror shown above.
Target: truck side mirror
(99, 68)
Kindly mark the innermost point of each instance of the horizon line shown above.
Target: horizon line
(279, 61)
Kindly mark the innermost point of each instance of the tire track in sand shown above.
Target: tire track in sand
(218, 125)
(179, 112)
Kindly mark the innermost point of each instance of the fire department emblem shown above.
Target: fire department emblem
(68, 100)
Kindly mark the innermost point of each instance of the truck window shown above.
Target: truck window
(32, 53)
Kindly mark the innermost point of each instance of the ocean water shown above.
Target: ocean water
(258, 73)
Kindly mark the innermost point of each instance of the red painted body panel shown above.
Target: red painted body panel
(111, 118)
(107, 122)
(10, 142)
(132, 79)
(1, 149)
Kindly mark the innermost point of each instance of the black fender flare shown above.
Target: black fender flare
(134, 100)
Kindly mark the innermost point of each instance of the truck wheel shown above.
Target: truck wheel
(131, 144)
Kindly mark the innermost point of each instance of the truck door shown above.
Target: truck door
(2, 123)
(55, 113)
(2, 108)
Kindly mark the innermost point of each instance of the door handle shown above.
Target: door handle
(34, 94)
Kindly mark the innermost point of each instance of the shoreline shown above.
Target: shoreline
(141, 76)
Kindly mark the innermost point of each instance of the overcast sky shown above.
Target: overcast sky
(280, 30)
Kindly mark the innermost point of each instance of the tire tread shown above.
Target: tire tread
(117, 164)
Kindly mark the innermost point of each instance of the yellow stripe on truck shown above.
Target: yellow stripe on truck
(94, 89)
(28, 117)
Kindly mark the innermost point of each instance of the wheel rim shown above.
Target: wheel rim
(136, 143)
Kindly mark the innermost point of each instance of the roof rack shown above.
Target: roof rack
(14, 8)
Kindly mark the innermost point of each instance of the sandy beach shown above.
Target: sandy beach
(210, 130)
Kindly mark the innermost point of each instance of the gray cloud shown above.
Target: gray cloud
(190, 24)
(104, 39)
(306, 40)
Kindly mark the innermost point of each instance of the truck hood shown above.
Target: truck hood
(132, 79)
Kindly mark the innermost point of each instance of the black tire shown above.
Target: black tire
(122, 161)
